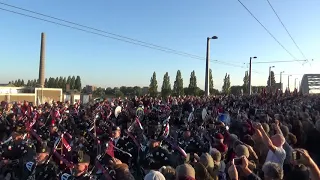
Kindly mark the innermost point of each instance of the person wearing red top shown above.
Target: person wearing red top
(219, 144)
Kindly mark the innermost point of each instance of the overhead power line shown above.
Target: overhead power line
(110, 35)
(268, 31)
(264, 62)
(286, 29)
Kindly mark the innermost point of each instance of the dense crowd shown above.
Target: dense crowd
(265, 136)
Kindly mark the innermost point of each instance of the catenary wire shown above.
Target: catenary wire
(126, 39)
(264, 62)
(267, 30)
(286, 29)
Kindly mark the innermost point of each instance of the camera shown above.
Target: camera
(296, 155)
(237, 161)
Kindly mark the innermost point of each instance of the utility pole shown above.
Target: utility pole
(207, 81)
(289, 82)
(281, 81)
(250, 63)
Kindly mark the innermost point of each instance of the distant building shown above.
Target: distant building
(30, 94)
(278, 86)
(89, 89)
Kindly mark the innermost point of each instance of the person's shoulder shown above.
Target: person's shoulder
(280, 151)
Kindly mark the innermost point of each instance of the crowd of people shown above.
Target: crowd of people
(265, 136)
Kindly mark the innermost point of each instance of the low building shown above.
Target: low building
(35, 95)
(89, 89)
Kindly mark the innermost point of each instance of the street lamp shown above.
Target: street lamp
(295, 83)
(289, 82)
(281, 80)
(250, 74)
(270, 76)
(207, 91)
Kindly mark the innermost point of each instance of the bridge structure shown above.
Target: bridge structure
(309, 82)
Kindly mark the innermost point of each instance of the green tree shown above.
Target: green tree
(119, 94)
(56, 82)
(129, 91)
(193, 88)
(109, 91)
(236, 90)
(28, 83)
(273, 80)
(45, 82)
(166, 86)
(60, 82)
(137, 91)
(245, 86)
(123, 89)
(153, 87)
(35, 83)
(211, 90)
(69, 80)
(77, 84)
(22, 82)
(18, 83)
(72, 83)
(64, 84)
(99, 93)
(51, 82)
(226, 84)
(178, 85)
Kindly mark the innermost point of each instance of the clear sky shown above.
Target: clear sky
(182, 25)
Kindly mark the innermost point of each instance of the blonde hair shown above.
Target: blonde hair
(168, 172)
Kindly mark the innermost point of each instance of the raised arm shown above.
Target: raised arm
(265, 138)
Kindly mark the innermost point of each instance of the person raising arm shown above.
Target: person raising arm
(276, 152)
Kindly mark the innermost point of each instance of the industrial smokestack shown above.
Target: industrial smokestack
(42, 60)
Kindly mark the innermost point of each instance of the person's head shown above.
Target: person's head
(216, 155)
(278, 140)
(242, 150)
(185, 171)
(186, 133)
(83, 163)
(42, 152)
(168, 172)
(292, 139)
(285, 131)
(266, 127)
(116, 132)
(207, 160)
(272, 171)
(201, 171)
(219, 138)
(154, 175)
(154, 143)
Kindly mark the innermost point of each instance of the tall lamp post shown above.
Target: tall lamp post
(250, 74)
(270, 76)
(289, 82)
(207, 91)
(281, 80)
(295, 83)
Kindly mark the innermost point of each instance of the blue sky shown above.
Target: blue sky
(180, 25)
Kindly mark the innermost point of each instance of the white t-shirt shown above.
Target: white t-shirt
(278, 156)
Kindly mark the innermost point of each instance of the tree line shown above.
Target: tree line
(177, 89)
(52, 82)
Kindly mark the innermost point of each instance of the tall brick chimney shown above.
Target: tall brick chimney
(42, 60)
